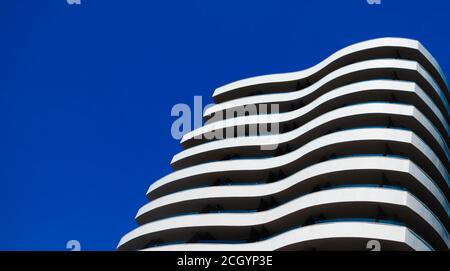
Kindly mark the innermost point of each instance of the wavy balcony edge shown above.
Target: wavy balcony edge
(359, 49)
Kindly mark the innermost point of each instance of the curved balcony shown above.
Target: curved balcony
(314, 208)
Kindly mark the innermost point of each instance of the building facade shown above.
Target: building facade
(356, 150)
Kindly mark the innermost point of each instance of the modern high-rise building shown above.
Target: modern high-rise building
(355, 149)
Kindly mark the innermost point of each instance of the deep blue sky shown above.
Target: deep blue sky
(86, 93)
